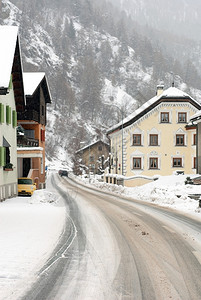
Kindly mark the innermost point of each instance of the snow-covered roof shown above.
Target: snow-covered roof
(196, 117)
(92, 144)
(170, 93)
(8, 39)
(32, 81)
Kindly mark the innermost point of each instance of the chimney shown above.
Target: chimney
(159, 90)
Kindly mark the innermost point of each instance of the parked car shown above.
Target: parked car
(26, 186)
(63, 173)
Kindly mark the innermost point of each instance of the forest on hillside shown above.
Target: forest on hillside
(80, 44)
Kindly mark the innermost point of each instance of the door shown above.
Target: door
(26, 166)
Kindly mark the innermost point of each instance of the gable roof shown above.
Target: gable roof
(32, 80)
(8, 38)
(10, 63)
(172, 94)
(91, 145)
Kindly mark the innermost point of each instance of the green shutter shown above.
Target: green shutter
(1, 113)
(11, 83)
(2, 156)
(14, 119)
(8, 114)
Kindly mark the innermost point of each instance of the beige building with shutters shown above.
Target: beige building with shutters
(157, 138)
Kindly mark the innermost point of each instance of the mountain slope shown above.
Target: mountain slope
(90, 58)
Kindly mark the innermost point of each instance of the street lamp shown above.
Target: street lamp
(122, 134)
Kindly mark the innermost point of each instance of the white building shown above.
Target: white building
(12, 100)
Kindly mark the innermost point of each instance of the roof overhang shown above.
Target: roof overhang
(152, 106)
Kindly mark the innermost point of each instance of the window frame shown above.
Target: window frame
(168, 117)
(194, 139)
(151, 142)
(139, 159)
(137, 135)
(182, 113)
(179, 136)
(151, 167)
(177, 159)
(195, 162)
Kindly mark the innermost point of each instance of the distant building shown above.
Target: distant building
(12, 100)
(31, 129)
(94, 157)
(157, 139)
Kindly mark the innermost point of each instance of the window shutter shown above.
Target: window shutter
(2, 156)
(8, 114)
(42, 135)
(1, 113)
(14, 119)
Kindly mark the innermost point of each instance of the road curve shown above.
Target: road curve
(113, 248)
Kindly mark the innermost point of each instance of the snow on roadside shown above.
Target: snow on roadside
(29, 231)
(168, 191)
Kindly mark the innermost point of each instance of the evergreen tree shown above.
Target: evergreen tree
(91, 85)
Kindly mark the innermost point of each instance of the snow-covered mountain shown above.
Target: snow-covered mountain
(182, 17)
(90, 58)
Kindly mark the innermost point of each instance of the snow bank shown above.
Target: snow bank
(168, 191)
(29, 231)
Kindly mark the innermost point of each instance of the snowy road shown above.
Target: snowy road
(118, 249)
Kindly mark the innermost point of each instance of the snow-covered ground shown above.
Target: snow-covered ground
(169, 191)
(30, 227)
(29, 231)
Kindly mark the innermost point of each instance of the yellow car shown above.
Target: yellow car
(26, 186)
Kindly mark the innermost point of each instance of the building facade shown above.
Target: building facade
(157, 139)
(11, 100)
(93, 158)
(31, 133)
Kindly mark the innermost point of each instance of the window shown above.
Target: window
(180, 140)
(153, 140)
(136, 162)
(99, 148)
(153, 163)
(194, 139)
(43, 110)
(182, 118)
(177, 162)
(137, 140)
(165, 117)
(91, 158)
(194, 163)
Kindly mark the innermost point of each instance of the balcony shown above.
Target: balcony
(24, 141)
(31, 115)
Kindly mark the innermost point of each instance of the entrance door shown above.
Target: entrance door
(26, 166)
